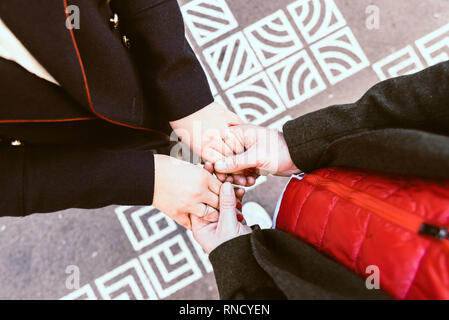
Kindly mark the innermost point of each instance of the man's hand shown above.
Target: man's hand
(266, 150)
(211, 234)
(181, 189)
(207, 133)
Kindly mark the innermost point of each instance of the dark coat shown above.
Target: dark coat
(79, 140)
(399, 126)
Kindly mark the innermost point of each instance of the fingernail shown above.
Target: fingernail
(220, 165)
(239, 205)
(240, 217)
(228, 189)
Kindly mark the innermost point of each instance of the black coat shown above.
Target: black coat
(85, 144)
(399, 126)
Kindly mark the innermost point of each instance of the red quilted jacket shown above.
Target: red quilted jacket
(360, 218)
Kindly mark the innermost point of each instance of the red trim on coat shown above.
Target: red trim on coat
(47, 120)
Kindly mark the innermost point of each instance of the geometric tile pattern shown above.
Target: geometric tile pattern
(232, 60)
(339, 55)
(273, 38)
(316, 18)
(208, 20)
(145, 225)
(126, 282)
(170, 267)
(255, 100)
(296, 78)
(172, 261)
(399, 63)
(434, 47)
(84, 293)
(271, 46)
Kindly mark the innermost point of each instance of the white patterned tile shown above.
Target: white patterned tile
(434, 47)
(84, 293)
(273, 38)
(316, 18)
(296, 79)
(144, 225)
(256, 100)
(125, 283)
(212, 86)
(399, 63)
(208, 19)
(204, 257)
(170, 266)
(340, 55)
(232, 60)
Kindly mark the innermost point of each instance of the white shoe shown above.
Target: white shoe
(254, 214)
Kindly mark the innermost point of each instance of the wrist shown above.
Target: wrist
(288, 166)
(160, 162)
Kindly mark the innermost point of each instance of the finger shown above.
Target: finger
(211, 155)
(214, 185)
(239, 193)
(239, 206)
(221, 176)
(235, 163)
(209, 167)
(198, 224)
(228, 217)
(223, 148)
(240, 180)
(231, 140)
(211, 199)
(204, 212)
(250, 181)
(241, 219)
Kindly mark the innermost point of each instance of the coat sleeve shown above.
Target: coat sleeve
(270, 264)
(168, 66)
(46, 179)
(399, 126)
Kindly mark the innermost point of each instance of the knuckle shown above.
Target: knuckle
(227, 202)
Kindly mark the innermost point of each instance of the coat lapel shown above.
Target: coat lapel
(40, 26)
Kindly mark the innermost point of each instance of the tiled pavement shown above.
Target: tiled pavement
(269, 61)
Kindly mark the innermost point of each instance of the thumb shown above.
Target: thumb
(228, 202)
(236, 162)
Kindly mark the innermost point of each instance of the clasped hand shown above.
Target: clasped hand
(190, 194)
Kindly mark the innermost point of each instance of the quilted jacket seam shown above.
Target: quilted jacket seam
(407, 292)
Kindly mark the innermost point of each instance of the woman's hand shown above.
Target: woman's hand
(265, 150)
(207, 133)
(211, 234)
(182, 189)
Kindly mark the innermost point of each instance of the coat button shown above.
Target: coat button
(16, 143)
(114, 21)
(126, 42)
